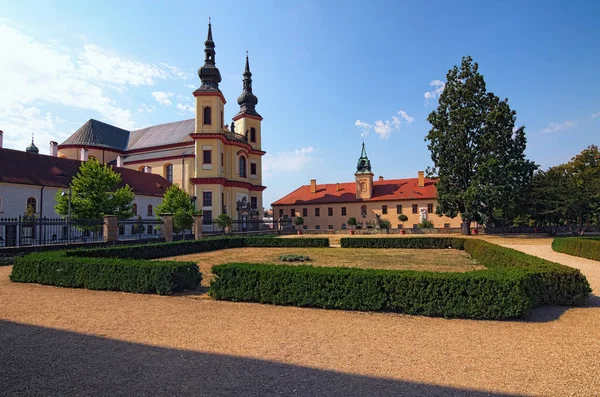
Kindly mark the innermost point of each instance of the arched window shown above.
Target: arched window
(252, 134)
(134, 209)
(169, 172)
(363, 211)
(242, 166)
(149, 209)
(31, 203)
(363, 187)
(207, 115)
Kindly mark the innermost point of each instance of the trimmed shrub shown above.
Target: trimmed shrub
(478, 294)
(162, 250)
(294, 258)
(585, 247)
(409, 242)
(56, 268)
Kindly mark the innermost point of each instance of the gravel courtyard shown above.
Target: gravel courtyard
(59, 341)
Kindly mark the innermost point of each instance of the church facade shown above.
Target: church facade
(329, 206)
(219, 165)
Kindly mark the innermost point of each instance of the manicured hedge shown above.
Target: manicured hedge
(163, 250)
(512, 284)
(56, 268)
(478, 294)
(585, 247)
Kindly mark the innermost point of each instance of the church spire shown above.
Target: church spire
(209, 74)
(247, 100)
(363, 166)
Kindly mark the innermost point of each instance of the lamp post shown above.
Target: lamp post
(68, 214)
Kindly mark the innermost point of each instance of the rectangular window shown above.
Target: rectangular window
(446, 226)
(207, 217)
(330, 211)
(415, 226)
(400, 226)
(430, 208)
(281, 212)
(206, 156)
(223, 201)
(293, 212)
(415, 210)
(252, 135)
(149, 229)
(399, 209)
(317, 211)
(304, 211)
(169, 173)
(222, 160)
(253, 168)
(330, 227)
(384, 209)
(304, 227)
(318, 227)
(207, 199)
(121, 230)
(343, 211)
(254, 202)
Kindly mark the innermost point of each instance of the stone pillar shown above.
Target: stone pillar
(167, 226)
(197, 227)
(111, 228)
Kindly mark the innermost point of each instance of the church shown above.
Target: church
(220, 166)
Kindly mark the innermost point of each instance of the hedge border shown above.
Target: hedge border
(584, 247)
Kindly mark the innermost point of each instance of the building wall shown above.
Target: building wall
(183, 169)
(373, 207)
(103, 156)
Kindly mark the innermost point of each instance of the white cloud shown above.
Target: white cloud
(437, 91)
(145, 108)
(162, 97)
(185, 107)
(190, 86)
(34, 75)
(384, 128)
(596, 114)
(555, 127)
(287, 162)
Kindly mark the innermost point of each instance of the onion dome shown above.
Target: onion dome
(209, 74)
(247, 100)
(32, 148)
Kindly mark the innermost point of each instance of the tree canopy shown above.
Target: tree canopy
(94, 193)
(477, 152)
(178, 203)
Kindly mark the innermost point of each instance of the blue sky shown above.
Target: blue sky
(318, 68)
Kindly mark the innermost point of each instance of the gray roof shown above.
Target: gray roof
(97, 133)
(164, 134)
(159, 153)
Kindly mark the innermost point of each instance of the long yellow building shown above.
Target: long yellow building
(219, 165)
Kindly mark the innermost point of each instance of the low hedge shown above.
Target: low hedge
(141, 276)
(512, 284)
(162, 250)
(478, 294)
(585, 247)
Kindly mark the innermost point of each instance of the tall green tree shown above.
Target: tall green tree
(477, 152)
(178, 203)
(95, 193)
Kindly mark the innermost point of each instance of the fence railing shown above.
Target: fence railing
(26, 231)
(140, 229)
(248, 226)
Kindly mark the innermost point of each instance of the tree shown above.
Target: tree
(299, 221)
(385, 224)
(402, 218)
(352, 221)
(138, 226)
(179, 204)
(223, 221)
(477, 153)
(425, 224)
(94, 193)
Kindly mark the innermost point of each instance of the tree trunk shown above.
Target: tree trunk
(466, 227)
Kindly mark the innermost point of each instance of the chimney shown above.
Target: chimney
(337, 187)
(147, 169)
(313, 185)
(421, 178)
(380, 178)
(53, 149)
(84, 154)
(1, 133)
(119, 161)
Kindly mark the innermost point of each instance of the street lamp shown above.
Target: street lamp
(63, 194)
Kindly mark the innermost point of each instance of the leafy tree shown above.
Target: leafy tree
(425, 224)
(352, 221)
(178, 203)
(385, 224)
(478, 158)
(299, 221)
(223, 221)
(94, 193)
(138, 226)
(402, 218)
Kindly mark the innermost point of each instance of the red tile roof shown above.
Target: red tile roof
(40, 170)
(386, 190)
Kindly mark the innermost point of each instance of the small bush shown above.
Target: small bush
(141, 276)
(294, 258)
(479, 294)
(585, 247)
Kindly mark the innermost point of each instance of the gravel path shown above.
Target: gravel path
(127, 344)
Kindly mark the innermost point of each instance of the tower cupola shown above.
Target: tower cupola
(32, 148)
(209, 74)
(363, 166)
(247, 100)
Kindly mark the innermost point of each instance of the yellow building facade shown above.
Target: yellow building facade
(219, 165)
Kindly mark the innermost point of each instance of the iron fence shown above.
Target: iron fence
(248, 226)
(26, 231)
(140, 229)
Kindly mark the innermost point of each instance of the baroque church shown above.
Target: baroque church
(218, 165)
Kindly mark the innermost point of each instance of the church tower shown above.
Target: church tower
(364, 176)
(247, 120)
(210, 101)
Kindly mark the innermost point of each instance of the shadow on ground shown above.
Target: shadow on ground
(39, 361)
